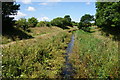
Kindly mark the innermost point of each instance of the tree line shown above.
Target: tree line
(33, 22)
(107, 17)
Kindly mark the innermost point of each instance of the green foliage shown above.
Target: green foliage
(62, 22)
(108, 15)
(74, 23)
(57, 22)
(41, 59)
(22, 23)
(85, 21)
(8, 8)
(43, 24)
(48, 24)
(67, 20)
(32, 22)
(97, 59)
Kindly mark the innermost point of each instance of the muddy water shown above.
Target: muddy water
(68, 70)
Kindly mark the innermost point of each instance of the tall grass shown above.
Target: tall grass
(43, 30)
(19, 34)
(93, 57)
(40, 58)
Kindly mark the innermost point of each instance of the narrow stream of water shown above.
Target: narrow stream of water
(68, 69)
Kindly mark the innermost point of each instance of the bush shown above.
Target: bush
(22, 23)
(85, 22)
(32, 22)
(58, 22)
(74, 23)
(108, 17)
(62, 22)
(43, 24)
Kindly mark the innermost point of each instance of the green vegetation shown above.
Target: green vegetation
(107, 17)
(85, 22)
(38, 58)
(62, 22)
(22, 23)
(14, 34)
(108, 14)
(41, 54)
(94, 56)
(37, 31)
(32, 22)
(67, 20)
(74, 23)
(8, 8)
(43, 24)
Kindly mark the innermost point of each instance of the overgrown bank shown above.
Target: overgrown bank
(94, 57)
(40, 58)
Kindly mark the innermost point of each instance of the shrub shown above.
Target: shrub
(22, 23)
(32, 22)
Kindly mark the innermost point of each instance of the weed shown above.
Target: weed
(93, 57)
(40, 58)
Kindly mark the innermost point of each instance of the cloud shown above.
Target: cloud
(31, 9)
(88, 3)
(43, 18)
(19, 15)
(26, 1)
(43, 3)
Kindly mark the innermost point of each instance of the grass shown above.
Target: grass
(14, 34)
(39, 58)
(17, 34)
(94, 57)
(43, 30)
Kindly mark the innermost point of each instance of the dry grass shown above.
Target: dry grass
(43, 30)
(37, 32)
(41, 57)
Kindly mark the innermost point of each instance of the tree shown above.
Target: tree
(22, 23)
(62, 22)
(74, 23)
(67, 20)
(48, 24)
(58, 22)
(108, 15)
(86, 21)
(44, 24)
(8, 8)
(32, 22)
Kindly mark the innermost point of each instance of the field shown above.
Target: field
(61, 40)
(93, 56)
(41, 57)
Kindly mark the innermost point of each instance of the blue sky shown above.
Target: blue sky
(50, 10)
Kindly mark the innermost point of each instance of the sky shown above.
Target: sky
(50, 10)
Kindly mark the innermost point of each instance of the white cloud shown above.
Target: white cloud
(26, 1)
(88, 3)
(31, 9)
(43, 18)
(19, 15)
(43, 3)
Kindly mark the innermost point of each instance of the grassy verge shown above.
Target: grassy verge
(18, 34)
(94, 57)
(14, 34)
(43, 30)
(39, 58)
